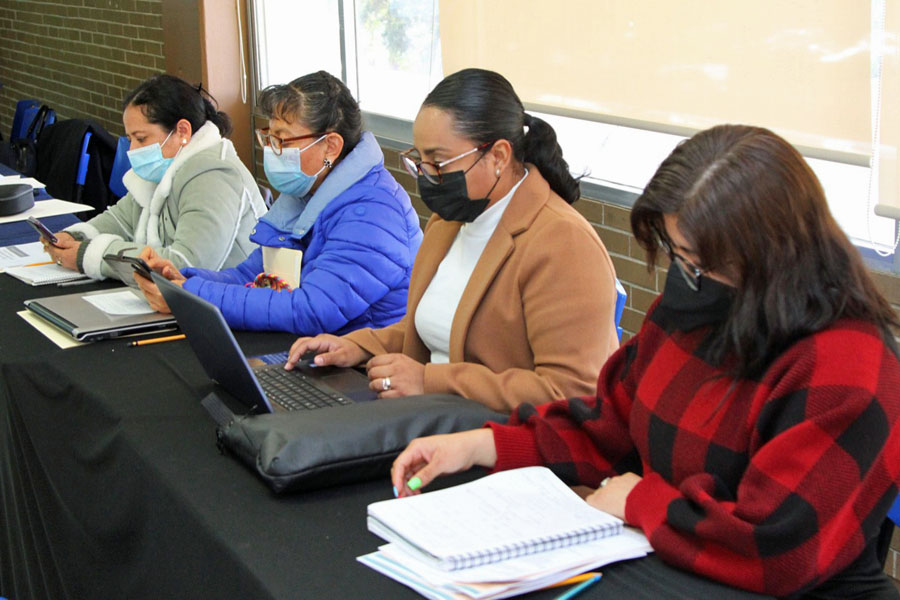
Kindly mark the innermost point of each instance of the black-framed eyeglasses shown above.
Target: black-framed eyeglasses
(276, 143)
(432, 171)
(689, 271)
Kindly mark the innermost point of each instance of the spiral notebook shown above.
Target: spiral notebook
(44, 274)
(495, 518)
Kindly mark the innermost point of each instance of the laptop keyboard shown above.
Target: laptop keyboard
(295, 391)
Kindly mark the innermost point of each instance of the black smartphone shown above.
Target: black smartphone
(138, 264)
(43, 231)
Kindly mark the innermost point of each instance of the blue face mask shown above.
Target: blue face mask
(284, 173)
(148, 162)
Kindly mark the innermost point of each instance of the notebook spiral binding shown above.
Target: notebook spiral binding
(509, 551)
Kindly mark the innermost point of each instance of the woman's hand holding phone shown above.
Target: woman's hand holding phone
(62, 247)
(164, 267)
(64, 251)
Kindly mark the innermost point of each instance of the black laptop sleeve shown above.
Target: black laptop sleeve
(308, 449)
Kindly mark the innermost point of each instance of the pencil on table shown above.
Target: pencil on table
(168, 338)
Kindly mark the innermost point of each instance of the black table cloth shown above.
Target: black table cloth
(111, 486)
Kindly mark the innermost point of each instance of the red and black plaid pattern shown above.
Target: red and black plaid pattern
(773, 485)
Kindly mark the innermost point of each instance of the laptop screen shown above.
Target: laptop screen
(214, 344)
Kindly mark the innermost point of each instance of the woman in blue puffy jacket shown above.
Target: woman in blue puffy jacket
(341, 220)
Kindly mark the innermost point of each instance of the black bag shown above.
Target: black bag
(23, 151)
(24, 156)
(308, 449)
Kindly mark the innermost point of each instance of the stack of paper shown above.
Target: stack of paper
(496, 537)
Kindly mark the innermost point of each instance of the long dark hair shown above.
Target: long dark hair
(753, 209)
(165, 99)
(319, 100)
(485, 108)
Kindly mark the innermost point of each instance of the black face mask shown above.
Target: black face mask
(689, 309)
(450, 199)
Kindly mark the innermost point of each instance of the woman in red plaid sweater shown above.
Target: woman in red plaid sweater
(750, 427)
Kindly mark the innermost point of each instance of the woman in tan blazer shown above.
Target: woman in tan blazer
(512, 293)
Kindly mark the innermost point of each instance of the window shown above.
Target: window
(625, 158)
(294, 38)
(387, 51)
(614, 124)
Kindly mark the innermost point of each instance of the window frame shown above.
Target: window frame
(396, 134)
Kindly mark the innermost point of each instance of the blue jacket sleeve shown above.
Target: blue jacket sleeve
(363, 255)
(239, 274)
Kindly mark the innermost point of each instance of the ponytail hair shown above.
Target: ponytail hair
(485, 108)
(165, 99)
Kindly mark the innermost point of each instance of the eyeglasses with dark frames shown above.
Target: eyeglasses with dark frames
(276, 143)
(689, 271)
(432, 171)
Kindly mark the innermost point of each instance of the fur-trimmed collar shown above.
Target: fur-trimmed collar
(151, 197)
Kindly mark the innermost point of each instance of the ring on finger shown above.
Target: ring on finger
(386, 383)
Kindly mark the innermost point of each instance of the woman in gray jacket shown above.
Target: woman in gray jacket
(189, 196)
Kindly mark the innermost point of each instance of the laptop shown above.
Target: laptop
(80, 316)
(265, 386)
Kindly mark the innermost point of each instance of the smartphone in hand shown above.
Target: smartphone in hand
(44, 232)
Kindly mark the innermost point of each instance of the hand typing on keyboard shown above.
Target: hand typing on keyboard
(329, 350)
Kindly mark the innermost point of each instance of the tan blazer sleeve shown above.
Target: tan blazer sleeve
(567, 293)
(380, 341)
(401, 336)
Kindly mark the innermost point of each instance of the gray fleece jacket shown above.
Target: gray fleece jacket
(200, 214)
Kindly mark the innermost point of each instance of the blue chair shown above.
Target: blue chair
(621, 296)
(83, 161)
(26, 111)
(121, 164)
(24, 108)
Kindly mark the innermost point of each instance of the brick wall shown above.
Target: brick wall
(79, 56)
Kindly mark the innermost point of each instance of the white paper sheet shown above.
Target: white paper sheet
(19, 179)
(125, 302)
(48, 208)
(283, 262)
(20, 255)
